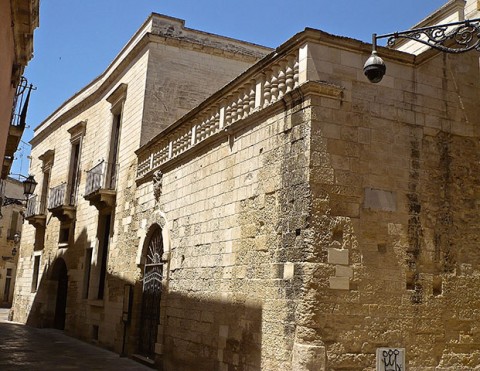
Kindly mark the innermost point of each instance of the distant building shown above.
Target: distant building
(19, 20)
(11, 212)
(298, 218)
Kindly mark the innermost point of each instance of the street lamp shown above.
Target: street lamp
(454, 37)
(29, 185)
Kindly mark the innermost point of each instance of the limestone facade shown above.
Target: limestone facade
(314, 221)
(19, 20)
(300, 218)
(10, 225)
(84, 162)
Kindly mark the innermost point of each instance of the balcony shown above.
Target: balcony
(17, 124)
(61, 206)
(35, 213)
(100, 188)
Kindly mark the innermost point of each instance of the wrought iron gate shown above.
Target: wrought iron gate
(152, 291)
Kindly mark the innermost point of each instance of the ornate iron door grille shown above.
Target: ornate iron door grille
(152, 291)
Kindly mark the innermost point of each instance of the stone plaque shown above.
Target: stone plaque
(378, 199)
(390, 359)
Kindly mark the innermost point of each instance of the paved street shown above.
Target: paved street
(26, 348)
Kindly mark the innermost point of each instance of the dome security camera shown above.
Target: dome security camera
(374, 68)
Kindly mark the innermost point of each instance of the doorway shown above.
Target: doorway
(151, 294)
(60, 275)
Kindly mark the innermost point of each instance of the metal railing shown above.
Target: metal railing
(20, 103)
(101, 176)
(56, 197)
(35, 206)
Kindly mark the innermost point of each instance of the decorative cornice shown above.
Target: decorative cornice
(77, 131)
(120, 93)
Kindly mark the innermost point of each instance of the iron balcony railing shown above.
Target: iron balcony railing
(101, 176)
(20, 103)
(35, 206)
(56, 197)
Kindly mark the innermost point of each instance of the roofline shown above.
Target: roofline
(308, 35)
(136, 44)
(103, 74)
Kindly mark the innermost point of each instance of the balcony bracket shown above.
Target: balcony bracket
(102, 199)
(38, 221)
(64, 212)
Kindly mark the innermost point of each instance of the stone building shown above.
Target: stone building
(11, 191)
(19, 20)
(84, 162)
(299, 218)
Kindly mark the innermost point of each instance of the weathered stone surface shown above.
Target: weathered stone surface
(308, 358)
(300, 231)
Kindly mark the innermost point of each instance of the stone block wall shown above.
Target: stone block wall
(236, 212)
(174, 64)
(155, 65)
(393, 254)
(36, 308)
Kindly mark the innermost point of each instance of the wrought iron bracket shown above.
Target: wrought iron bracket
(454, 37)
(12, 201)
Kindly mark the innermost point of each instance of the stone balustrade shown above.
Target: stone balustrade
(244, 98)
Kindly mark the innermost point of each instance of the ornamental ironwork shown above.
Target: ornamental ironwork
(455, 37)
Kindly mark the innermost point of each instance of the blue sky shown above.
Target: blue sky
(77, 39)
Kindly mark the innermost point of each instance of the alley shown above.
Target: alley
(26, 348)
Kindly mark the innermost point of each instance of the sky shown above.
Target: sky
(77, 39)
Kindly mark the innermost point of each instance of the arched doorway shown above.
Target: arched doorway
(60, 275)
(151, 293)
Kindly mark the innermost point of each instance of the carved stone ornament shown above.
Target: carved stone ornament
(157, 184)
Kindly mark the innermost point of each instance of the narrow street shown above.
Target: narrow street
(27, 348)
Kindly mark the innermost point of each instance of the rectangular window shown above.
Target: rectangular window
(114, 146)
(104, 226)
(8, 283)
(36, 271)
(73, 176)
(13, 225)
(88, 268)
(64, 235)
(44, 194)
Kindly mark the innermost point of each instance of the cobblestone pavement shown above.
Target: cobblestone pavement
(27, 348)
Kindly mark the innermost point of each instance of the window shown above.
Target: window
(114, 145)
(117, 100)
(8, 283)
(88, 268)
(73, 178)
(104, 240)
(13, 225)
(47, 163)
(65, 234)
(36, 271)
(77, 132)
